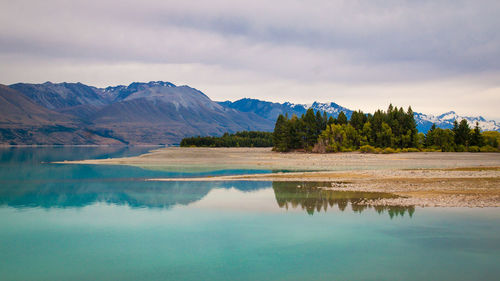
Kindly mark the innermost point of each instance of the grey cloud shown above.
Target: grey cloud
(332, 42)
(450, 37)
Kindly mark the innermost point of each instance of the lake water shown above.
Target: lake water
(84, 222)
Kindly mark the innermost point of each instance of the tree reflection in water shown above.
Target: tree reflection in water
(311, 198)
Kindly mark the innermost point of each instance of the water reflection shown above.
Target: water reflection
(144, 194)
(35, 155)
(136, 194)
(311, 198)
(27, 180)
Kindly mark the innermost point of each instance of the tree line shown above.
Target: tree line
(388, 131)
(239, 139)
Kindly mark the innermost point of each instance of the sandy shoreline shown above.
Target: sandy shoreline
(422, 179)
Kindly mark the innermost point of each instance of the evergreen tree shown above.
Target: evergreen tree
(376, 126)
(311, 130)
(245, 139)
(320, 125)
(455, 129)
(429, 137)
(331, 121)
(358, 119)
(476, 137)
(411, 125)
(462, 133)
(325, 121)
(296, 133)
(280, 134)
(341, 119)
(395, 128)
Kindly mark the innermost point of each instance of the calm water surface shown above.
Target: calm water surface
(84, 222)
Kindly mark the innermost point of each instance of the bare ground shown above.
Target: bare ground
(421, 179)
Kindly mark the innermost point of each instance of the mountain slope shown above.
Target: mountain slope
(445, 120)
(271, 110)
(17, 110)
(148, 113)
(265, 109)
(24, 122)
(160, 112)
(62, 95)
(424, 122)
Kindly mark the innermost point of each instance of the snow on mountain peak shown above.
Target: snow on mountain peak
(446, 120)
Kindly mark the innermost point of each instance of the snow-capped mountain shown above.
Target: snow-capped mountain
(271, 110)
(155, 112)
(424, 122)
(445, 121)
(331, 108)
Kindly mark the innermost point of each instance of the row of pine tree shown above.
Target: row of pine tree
(239, 139)
(392, 130)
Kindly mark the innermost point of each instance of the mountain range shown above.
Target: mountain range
(270, 110)
(147, 113)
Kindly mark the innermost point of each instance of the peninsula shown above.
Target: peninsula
(421, 178)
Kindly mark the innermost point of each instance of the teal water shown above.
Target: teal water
(83, 222)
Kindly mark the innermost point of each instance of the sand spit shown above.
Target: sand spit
(425, 188)
(422, 179)
(177, 158)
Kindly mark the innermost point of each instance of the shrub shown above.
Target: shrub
(412, 149)
(432, 149)
(488, 148)
(367, 149)
(389, 150)
(473, 148)
(460, 148)
(346, 149)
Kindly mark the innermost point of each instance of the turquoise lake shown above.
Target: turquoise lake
(86, 222)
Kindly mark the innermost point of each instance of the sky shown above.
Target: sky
(436, 56)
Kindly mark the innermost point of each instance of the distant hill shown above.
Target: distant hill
(160, 112)
(424, 122)
(141, 113)
(271, 110)
(63, 95)
(24, 122)
(147, 113)
(445, 120)
(18, 110)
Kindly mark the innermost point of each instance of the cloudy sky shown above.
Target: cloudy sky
(434, 55)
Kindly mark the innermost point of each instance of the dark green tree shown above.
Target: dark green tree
(311, 128)
(429, 137)
(280, 134)
(476, 136)
(358, 120)
(331, 121)
(342, 119)
(462, 133)
(320, 124)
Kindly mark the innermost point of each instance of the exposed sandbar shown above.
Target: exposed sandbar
(423, 179)
(179, 159)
